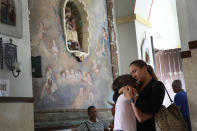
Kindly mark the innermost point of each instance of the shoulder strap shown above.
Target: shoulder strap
(165, 90)
(87, 126)
(168, 94)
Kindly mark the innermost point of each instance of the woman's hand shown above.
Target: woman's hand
(129, 92)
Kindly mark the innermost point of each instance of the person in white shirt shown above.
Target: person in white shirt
(93, 124)
(124, 119)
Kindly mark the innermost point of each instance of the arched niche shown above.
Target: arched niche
(76, 24)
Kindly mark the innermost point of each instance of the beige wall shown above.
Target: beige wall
(190, 71)
(184, 32)
(126, 34)
(16, 117)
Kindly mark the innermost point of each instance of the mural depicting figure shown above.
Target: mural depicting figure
(41, 30)
(54, 49)
(49, 86)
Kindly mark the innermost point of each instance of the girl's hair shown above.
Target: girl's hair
(121, 81)
(141, 64)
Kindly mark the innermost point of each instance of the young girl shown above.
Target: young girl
(124, 119)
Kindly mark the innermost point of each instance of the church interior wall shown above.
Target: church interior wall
(17, 114)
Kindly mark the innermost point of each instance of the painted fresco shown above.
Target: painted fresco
(66, 82)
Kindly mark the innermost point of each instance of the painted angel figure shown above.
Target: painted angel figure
(54, 49)
(95, 67)
(62, 78)
(41, 30)
(49, 86)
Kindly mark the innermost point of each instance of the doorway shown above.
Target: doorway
(168, 68)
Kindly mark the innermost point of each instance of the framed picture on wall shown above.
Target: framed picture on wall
(11, 18)
(147, 51)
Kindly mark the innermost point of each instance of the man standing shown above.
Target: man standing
(93, 124)
(180, 100)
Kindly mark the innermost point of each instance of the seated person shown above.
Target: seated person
(93, 124)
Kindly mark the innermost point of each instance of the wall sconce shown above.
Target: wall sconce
(10, 56)
(17, 69)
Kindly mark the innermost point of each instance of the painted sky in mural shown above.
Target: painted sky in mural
(67, 83)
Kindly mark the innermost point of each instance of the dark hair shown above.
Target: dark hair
(90, 107)
(121, 81)
(141, 64)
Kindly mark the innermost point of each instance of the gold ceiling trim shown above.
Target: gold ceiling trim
(132, 18)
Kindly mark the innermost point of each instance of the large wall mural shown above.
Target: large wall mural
(69, 81)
